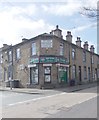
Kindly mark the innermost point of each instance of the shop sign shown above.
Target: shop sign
(31, 65)
(48, 59)
(53, 60)
(62, 60)
(47, 64)
(34, 60)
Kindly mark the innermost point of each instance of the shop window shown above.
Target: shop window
(47, 74)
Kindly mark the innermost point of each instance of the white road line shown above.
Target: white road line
(35, 99)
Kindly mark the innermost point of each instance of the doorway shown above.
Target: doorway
(34, 75)
(62, 75)
(80, 74)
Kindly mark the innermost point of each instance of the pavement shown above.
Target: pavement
(40, 91)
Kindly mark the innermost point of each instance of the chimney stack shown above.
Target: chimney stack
(86, 45)
(57, 32)
(92, 48)
(69, 36)
(78, 42)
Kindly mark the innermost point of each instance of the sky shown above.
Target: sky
(29, 18)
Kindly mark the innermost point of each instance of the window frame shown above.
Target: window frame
(61, 49)
(34, 49)
(18, 53)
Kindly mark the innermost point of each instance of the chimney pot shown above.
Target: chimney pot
(56, 26)
(78, 42)
(86, 45)
(92, 48)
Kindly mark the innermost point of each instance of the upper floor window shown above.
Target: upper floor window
(46, 43)
(92, 59)
(73, 53)
(18, 53)
(84, 56)
(1, 58)
(33, 48)
(10, 56)
(61, 49)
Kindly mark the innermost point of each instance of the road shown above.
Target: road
(50, 104)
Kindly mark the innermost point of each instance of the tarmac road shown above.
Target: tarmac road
(31, 106)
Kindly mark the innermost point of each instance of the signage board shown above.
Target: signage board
(34, 60)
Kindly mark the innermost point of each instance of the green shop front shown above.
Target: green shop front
(48, 70)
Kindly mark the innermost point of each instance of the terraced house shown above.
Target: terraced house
(48, 60)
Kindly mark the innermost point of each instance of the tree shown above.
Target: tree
(90, 12)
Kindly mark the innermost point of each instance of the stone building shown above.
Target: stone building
(48, 60)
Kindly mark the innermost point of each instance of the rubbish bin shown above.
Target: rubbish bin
(72, 82)
(7, 82)
(15, 83)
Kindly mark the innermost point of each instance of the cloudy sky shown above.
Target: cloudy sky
(28, 18)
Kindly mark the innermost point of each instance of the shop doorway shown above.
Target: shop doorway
(34, 75)
(62, 75)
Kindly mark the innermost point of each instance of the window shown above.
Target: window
(73, 72)
(10, 56)
(46, 43)
(47, 74)
(92, 59)
(84, 56)
(18, 54)
(85, 73)
(33, 48)
(61, 49)
(73, 54)
(1, 58)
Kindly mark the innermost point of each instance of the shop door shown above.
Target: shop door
(34, 75)
(62, 75)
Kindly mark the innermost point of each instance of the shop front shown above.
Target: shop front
(48, 70)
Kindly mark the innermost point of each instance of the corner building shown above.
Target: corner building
(48, 60)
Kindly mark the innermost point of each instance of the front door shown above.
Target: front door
(79, 73)
(34, 75)
(62, 72)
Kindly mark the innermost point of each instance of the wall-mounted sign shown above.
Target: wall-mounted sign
(48, 60)
(34, 60)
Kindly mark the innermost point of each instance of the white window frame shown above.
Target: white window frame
(84, 56)
(73, 53)
(34, 51)
(18, 53)
(1, 58)
(10, 56)
(61, 49)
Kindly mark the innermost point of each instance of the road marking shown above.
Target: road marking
(36, 99)
(45, 97)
